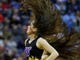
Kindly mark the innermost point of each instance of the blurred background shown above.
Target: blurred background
(13, 24)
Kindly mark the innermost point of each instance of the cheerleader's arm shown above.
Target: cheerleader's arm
(47, 47)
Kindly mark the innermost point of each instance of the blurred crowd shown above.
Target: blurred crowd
(12, 30)
(70, 10)
(13, 23)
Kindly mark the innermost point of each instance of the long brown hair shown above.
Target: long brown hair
(48, 22)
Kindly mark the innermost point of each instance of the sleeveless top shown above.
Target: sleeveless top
(32, 51)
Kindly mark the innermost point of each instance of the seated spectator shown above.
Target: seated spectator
(68, 19)
(77, 21)
(1, 18)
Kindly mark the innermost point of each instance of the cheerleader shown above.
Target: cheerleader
(41, 24)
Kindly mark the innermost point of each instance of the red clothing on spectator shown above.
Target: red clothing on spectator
(1, 18)
(5, 6)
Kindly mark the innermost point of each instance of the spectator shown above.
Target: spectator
(1, 18)
(61, 6)
(68, 19)
(77, 21)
